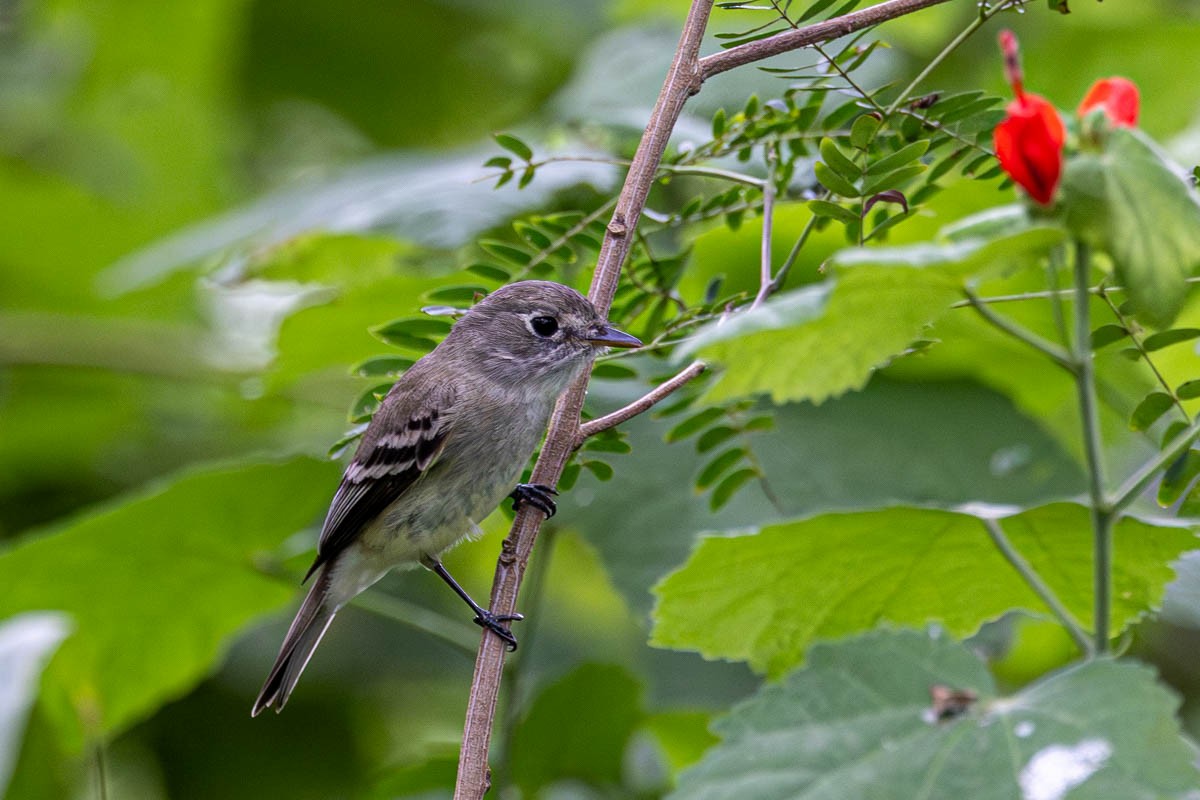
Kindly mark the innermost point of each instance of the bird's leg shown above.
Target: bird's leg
(537, 495)
(483, 617)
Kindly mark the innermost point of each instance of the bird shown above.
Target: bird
(445, 447)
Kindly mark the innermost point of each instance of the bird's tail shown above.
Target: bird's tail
(302, 638)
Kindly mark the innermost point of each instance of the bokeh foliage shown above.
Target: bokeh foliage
(221, 222)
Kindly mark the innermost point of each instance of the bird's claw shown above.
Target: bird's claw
(495, 624)
(537, 495)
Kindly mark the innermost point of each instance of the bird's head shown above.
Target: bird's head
(535, 330)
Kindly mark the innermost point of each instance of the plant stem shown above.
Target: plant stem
(1040, 588)
(1102, 514)
(1136, 483)
(640, 405)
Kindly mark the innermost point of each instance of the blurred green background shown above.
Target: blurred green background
(204, 206)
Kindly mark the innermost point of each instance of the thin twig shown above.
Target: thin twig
(768, 218)
(1035, 582)
(1136, 483)
(640, 405)
(1048, 348)
(1065, 294)
(823, 31)
(1146, 357)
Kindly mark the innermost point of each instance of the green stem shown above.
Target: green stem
(459, 634)
(1102, 514)
(1048, 348)
(1040, 588)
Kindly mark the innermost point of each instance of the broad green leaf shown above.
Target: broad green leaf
(882, 299)
(837, 574)
(936, 443)
(26, 643)
(1132, 201)
(1188, 390)
(577, 728)
(157, 583)
(857, 722)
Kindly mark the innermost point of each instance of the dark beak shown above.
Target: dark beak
(607, 336)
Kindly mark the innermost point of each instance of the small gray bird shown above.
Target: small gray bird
(447, 444)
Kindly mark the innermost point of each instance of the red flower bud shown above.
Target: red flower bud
(1119, 99)
(1029, 141)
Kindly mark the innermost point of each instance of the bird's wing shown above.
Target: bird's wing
(406, 436)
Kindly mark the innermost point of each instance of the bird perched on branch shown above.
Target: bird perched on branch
(447, 444)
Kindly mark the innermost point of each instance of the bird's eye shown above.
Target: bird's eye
(544, 326)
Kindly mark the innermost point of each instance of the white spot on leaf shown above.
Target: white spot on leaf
(1053, 771)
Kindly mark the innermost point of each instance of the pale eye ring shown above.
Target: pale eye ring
(544, 326)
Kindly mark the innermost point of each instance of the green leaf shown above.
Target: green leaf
(826, 208)
(577, 728)
(601, 469)
(727, 488)
(718, 123)
(613, 370)
(902, 157)
(1107, 334)
(837, 336)
(838, 161)
(367, 402)
(1158, 341)
(892, 179)
(939, 443)
(714, 437)
(175, 565)
(858, 722)
(833, 181)
(382, 365)
(1178, 477)
(1134, 202)
(837, 574)
(26, 643)
(1153, 406)
(719, 466)
(694, 424)
(514, 145)
(862, 132)
(491, 272)
(505, 251)
(1188, 390)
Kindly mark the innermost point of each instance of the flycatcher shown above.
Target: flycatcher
(447, 444)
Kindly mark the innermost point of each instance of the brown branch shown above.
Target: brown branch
(684, 79)
(823, 31)
(638, 406)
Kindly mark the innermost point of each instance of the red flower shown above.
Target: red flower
(1119, 99)
(1029, 141)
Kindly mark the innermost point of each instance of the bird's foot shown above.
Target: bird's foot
(537, 495)
(495, 624)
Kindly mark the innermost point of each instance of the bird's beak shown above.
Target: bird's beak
(607, 336)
